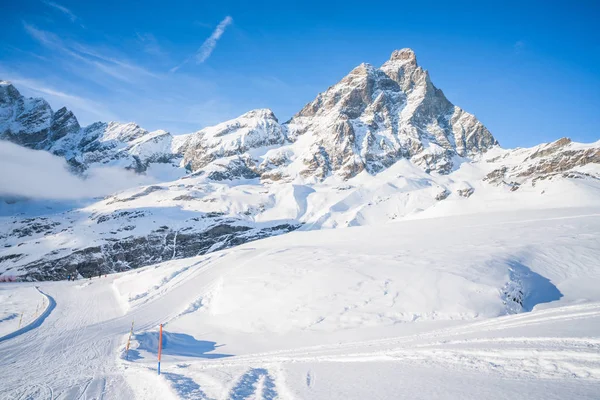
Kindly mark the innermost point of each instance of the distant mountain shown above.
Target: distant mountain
(32, 123)
(382, 144)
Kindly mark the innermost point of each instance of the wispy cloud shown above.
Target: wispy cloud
(106, 64)
(44, 37)
(62, 9)
(27, 53)
(125, 65)
(209, 44)
(115, 81)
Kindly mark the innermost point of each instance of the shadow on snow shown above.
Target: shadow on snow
(178, 344)
(535, 288)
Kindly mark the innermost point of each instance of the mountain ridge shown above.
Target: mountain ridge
(382, 144)
(367, 121)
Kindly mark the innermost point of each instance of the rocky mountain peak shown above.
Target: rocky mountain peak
(25, 121)
(254, 129)
(402, 67)
(8, 93)
(63, 123)
(362, 69)
(375, 116)
(405, 55)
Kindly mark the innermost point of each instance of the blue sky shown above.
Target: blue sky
(530, 71)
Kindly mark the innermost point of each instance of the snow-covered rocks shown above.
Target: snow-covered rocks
(369, 120)
(228, 203)
(255, 129)
(560, 159)
(25, 121)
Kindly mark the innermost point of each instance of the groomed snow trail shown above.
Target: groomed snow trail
(68, 355)
(73, 354)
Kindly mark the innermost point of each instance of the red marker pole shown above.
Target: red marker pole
(159, 347)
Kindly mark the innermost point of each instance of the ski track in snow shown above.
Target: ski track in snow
(516, 357)
(36, 322)
(545, 357)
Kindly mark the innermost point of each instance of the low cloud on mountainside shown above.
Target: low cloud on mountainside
(40, 175)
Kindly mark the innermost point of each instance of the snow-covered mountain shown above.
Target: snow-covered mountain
(369, 120)
(32, 123)
(382, 144)
(374, 117)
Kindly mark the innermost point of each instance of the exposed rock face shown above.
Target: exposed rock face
(375, 116)
(545, 161)
(63, 123)
(369, 120)
(24, 121)
(138, 251)
(234, 168)
(443, 195)
(465, 192)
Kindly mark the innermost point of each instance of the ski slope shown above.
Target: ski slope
(502, 305)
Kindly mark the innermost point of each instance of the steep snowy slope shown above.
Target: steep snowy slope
(497, 305)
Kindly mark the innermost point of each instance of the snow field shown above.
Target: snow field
(402, 191)
(411, 309)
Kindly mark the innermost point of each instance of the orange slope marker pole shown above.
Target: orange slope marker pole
(128, 341)
(159, 347)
